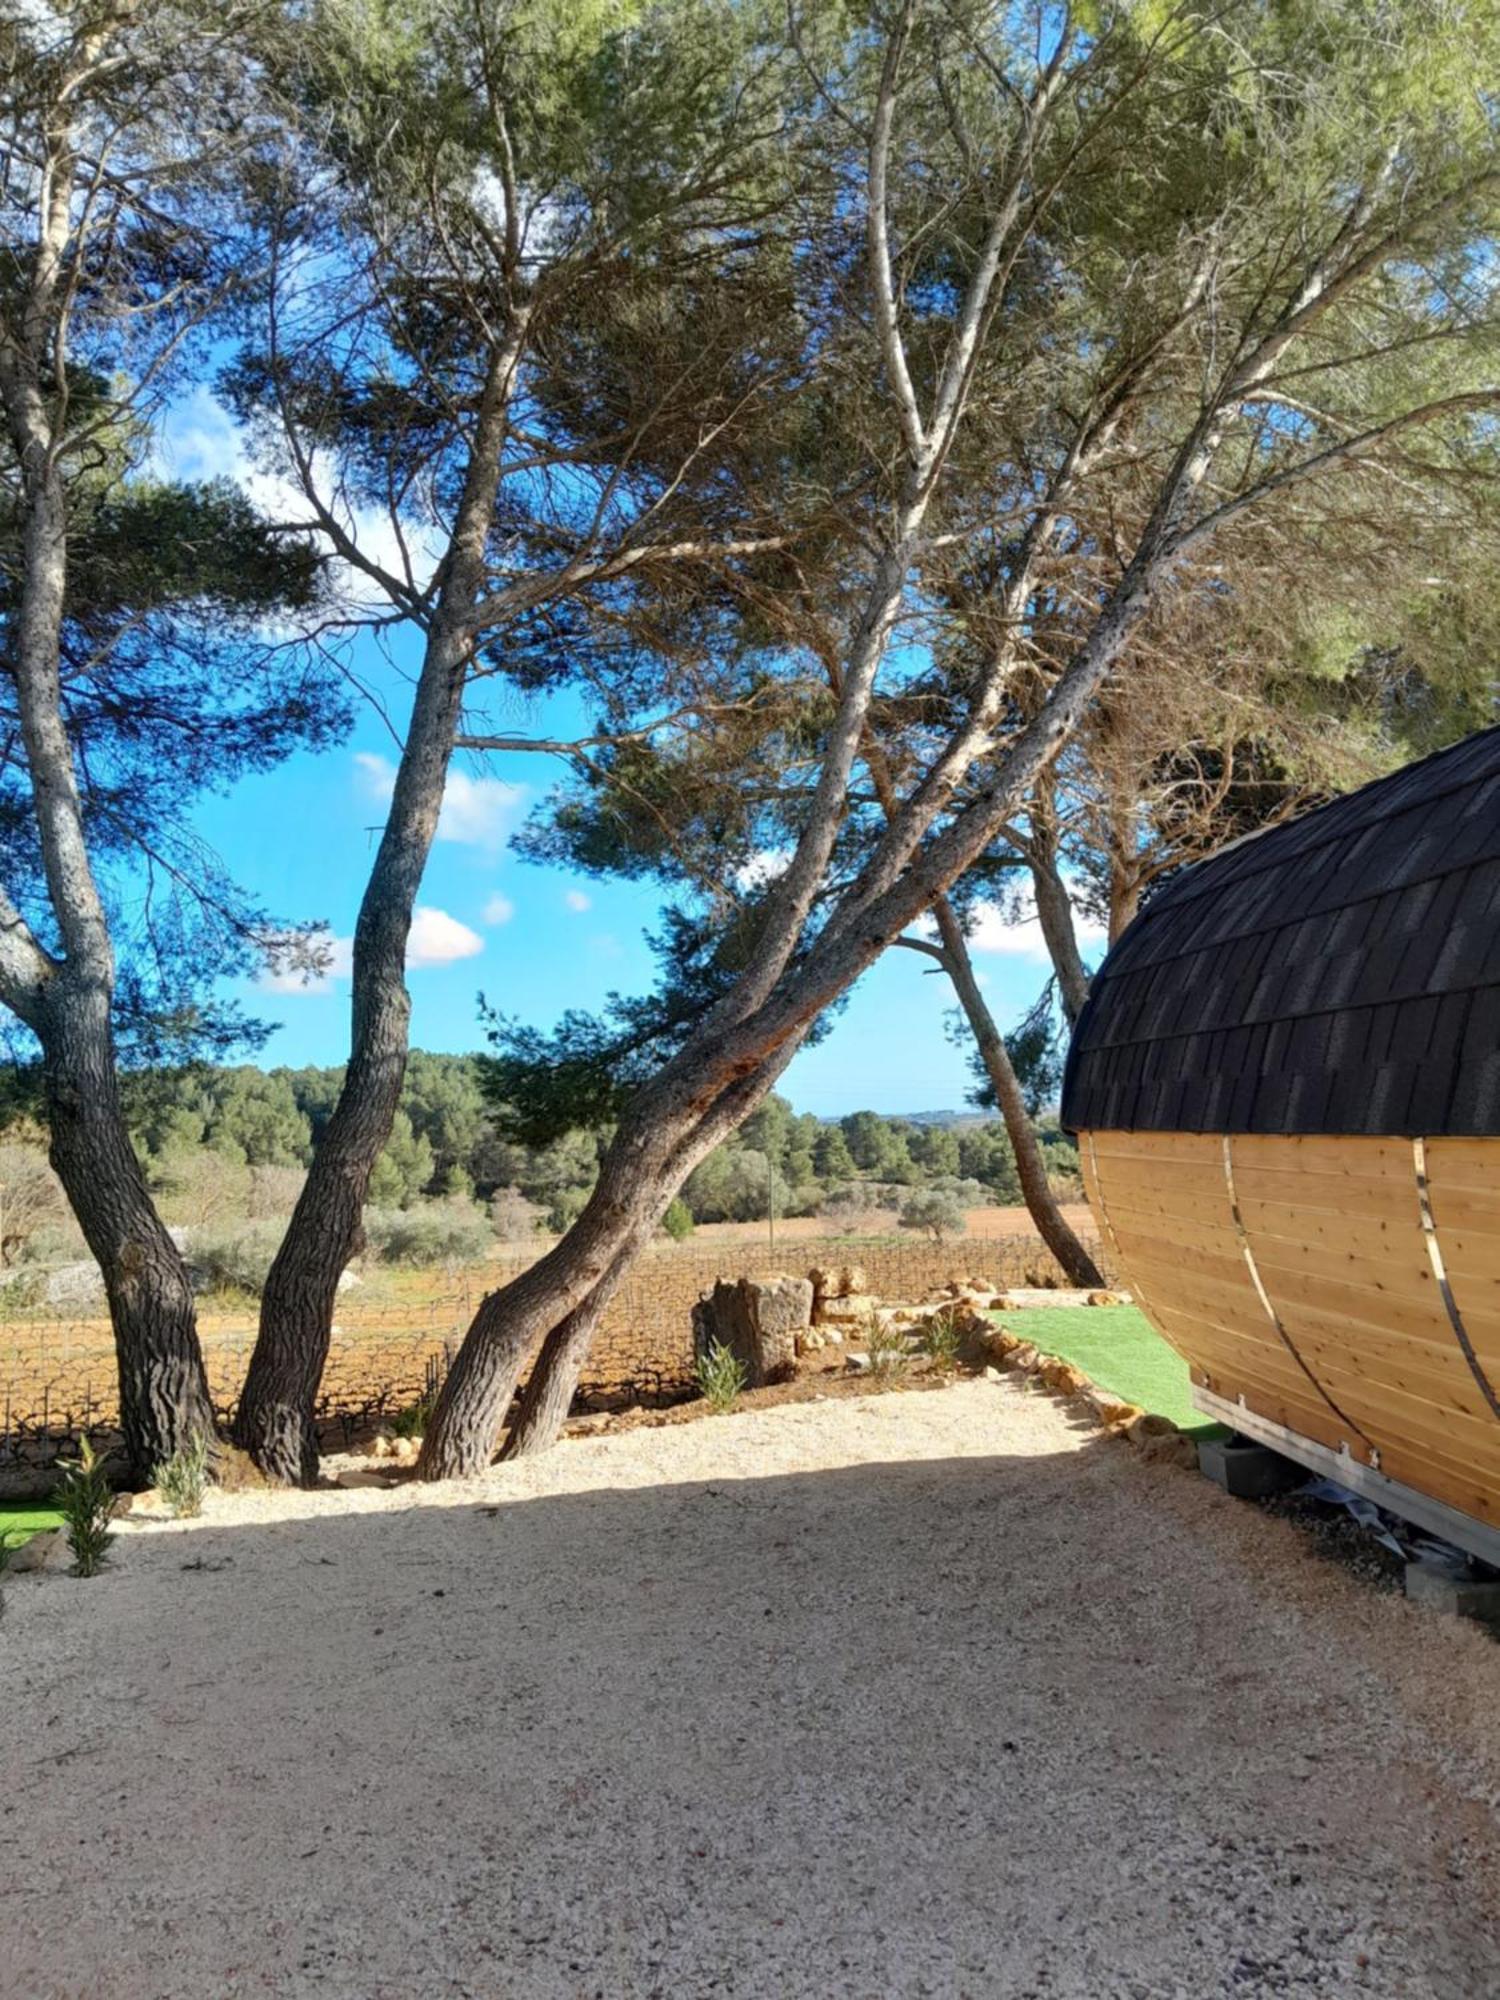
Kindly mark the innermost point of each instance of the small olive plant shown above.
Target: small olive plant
(182, 1479)
(720, 1377)
(86, 1501)
(940, 1340)
(413, 1420)
(885, 1343)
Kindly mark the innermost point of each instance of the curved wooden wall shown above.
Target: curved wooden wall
(1346, 1288)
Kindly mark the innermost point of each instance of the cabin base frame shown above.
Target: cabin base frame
(1435, 1516)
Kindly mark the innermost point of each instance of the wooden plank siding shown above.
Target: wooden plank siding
(1299, 1274)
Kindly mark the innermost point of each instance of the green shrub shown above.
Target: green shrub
(87, 1502)
(885, 1343)
(412, 1422)
(940, 1339)
(447, 1232)
(720, 1377)
(182, 1479)
(938, 1210)
(233, 1261)
(678, 1220)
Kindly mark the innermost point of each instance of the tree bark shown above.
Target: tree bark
(164, 1398)
(275, 1419)
(1031, 1168)
(1054, 908)
(553, 1381)
(68, 1001)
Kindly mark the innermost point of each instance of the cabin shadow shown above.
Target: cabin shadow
(952, 1726)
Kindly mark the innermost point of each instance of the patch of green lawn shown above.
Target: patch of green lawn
(21, 1519)
(1117, 1347)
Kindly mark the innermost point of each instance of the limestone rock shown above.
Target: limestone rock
(1175, 1450)
(1063, 1377)
(48, 1550)
(811, 1342)
(848, 1309)
(1142, 1429)
(839, 1281)
(758, 1320)
(1109, 1298)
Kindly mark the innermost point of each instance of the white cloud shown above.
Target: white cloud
(477, 812)
(435, 939)
(762, 867)
(438, 939)
(577, 902)
(1019, 935)
(201, 440)
(338, 964)
(498, 910)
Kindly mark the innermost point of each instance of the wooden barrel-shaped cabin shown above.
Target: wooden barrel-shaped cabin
(1286, 1091)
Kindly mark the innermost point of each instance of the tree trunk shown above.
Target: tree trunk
(1036, 1190)
(164, 1399)
(561, 1297)
(550, 1387)
(275, 1420)
(1054, 908)
(671, 1125)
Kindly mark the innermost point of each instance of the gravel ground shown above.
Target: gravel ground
(915, 1695)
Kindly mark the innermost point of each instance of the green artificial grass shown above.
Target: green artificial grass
(21, 1519)
(1116, 1347)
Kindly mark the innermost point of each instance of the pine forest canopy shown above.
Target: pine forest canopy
(947, 452)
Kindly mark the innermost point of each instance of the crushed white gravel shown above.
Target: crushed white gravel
(937, 1694)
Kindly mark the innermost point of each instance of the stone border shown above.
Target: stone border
(1155, 1437)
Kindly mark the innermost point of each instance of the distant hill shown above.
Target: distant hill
(925, 1118)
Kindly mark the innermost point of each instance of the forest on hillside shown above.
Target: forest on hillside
(226, 1149)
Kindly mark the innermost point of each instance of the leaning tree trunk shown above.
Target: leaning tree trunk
(550, 1387)
(559, 1301)
(672, 1124)
(1031, 1168)
(275, 1423)
(164, 1398)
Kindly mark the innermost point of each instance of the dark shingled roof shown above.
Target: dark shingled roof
(1337, 974)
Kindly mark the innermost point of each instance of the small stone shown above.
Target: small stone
(993, 1374)
(1108, 1299)
(1064, 1378)
(857, 1364)
(1142, 1429)
(1175, 1450)
(848, 1309)
(811, 1342)
(48, 1550)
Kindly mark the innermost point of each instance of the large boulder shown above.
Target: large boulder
(758, 1320)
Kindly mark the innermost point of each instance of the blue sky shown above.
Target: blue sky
(535, 940)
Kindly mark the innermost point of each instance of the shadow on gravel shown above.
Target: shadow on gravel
(974, 1726)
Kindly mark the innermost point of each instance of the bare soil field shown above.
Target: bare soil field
(916, 1694)
(984, 1225)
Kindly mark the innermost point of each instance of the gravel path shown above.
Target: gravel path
(917, 1695)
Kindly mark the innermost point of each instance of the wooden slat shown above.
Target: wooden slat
(1334, 1227)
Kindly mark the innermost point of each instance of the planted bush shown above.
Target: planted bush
(87, 1504)
(720, 1377)
(182, 1479)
